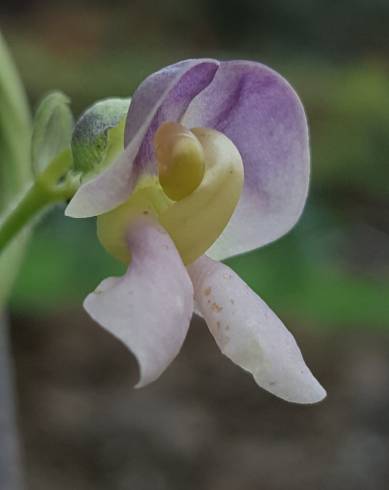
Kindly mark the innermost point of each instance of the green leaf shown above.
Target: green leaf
(15, 130)
(98, 136)
(15, 168)
(52, 130)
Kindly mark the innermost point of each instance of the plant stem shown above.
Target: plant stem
(11, 475)
(32, 202)
(43, 192)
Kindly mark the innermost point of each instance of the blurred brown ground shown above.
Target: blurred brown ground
(204, 424)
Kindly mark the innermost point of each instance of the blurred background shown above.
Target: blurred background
(204, 424)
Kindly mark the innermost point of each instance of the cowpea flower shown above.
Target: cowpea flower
(215, 163)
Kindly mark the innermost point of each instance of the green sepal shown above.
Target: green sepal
(52, 131)
(98, 136)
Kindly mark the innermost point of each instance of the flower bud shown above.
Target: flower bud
(98, 136)
(52, 131)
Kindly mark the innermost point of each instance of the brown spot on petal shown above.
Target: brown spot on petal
(207, 291)
(217, 308)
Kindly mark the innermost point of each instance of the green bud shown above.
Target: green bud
(98, 136)
(52, 131)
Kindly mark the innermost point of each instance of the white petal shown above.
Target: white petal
(150, 307)
(250, 334)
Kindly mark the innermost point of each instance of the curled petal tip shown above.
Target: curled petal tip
(296, 387)
(180, 158)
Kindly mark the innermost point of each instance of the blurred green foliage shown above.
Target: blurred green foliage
(349, 115)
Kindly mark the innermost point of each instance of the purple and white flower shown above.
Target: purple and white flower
(244, 130)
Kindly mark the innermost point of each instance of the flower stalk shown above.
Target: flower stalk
(44, 191)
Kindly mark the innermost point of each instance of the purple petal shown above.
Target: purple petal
(250, 334)
(150, 307)
(164, 96)
(262, 115)
(187, 79)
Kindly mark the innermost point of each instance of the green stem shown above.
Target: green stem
(32, 202)
(43, 192)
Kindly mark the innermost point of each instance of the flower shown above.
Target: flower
(216, 161)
